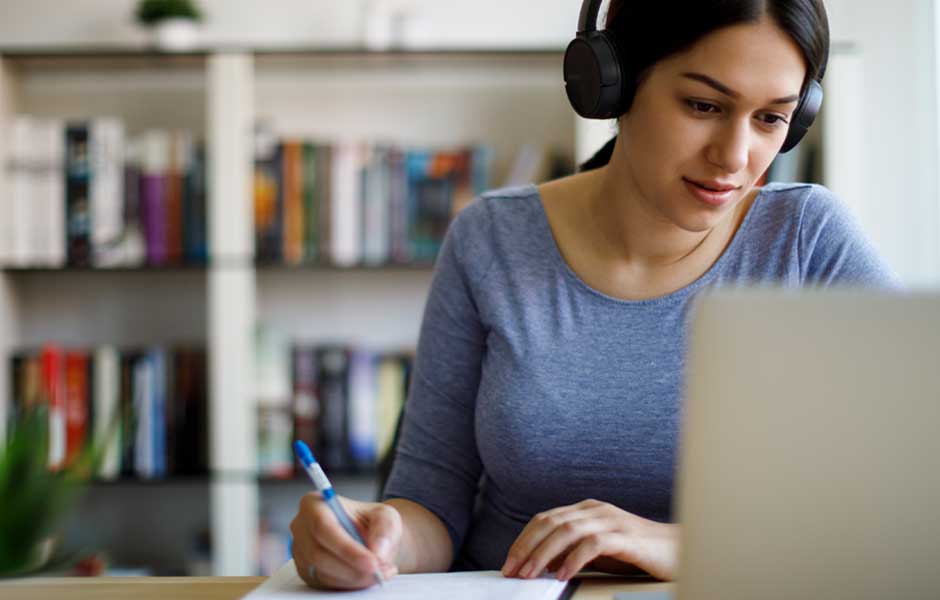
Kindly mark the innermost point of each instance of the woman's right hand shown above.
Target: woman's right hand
(326, 556)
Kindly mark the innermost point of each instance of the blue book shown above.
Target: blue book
(158, 414)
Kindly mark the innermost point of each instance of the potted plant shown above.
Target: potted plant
(34, 499)
(174, 23)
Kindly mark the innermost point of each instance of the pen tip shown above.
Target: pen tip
(303, 453)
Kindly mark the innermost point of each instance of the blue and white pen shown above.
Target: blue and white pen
(323, 485)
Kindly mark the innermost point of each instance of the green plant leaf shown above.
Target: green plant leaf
(33, 498)
(151, 12)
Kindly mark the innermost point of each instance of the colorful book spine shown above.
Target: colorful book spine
(76, 404)
(194, 208)
(144, 412)
(311, 226)
(179, 160)
(155, 152)
(106, 391)
(333, 364)
(306, 401)
(292, 202)
(324, 187)
(158, 405)
(77, 200)
(53, 380)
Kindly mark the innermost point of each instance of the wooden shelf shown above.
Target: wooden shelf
(107, 57)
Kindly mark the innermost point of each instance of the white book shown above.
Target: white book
(21, 189)
(107, 410)
(106, 187)
(346, 205)
(51, 194)
(362, 414)
(272, 367)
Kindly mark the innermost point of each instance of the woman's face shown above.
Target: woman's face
(716, 113)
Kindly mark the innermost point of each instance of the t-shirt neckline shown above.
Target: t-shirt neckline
(671, 297)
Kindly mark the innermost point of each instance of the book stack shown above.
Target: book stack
(145, 407)
(344, 402)
(350, 203)
(84, 194)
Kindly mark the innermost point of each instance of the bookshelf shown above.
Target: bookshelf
(429, 97)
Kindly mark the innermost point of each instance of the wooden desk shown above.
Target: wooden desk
(224, 588)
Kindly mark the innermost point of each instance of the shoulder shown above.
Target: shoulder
(496, 213)
(495, 224)
(801, 209)
(803, 200)
(832, 245)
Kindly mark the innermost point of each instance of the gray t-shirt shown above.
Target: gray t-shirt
(532, 390)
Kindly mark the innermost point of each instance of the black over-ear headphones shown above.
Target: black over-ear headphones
(600, 85)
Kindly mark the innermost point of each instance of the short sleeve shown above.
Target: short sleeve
(834, 250)
(437, 464)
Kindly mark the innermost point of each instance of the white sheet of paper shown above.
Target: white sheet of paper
(285, 584)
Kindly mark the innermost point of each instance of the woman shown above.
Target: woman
(542, 423)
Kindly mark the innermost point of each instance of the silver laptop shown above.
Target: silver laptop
(810, 456)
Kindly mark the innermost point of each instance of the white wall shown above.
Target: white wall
(897, 109)
(897, 98)
(507, 23)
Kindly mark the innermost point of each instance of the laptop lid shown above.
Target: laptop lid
(810, 453)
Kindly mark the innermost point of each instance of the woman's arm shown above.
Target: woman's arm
(425, 543)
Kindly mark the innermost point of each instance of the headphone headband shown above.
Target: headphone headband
(588, 19)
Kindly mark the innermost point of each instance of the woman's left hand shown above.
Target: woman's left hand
(576, 535)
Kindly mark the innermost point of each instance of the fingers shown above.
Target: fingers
(588, 549)
(332, 571)
(339, 561)
(560, 540)
(543, 525)
(383, 526)
(320, 524)
(302, 561)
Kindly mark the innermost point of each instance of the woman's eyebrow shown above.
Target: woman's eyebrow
(729, 92)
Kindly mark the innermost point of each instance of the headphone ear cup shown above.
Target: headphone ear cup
(804, 115)
(594, 77)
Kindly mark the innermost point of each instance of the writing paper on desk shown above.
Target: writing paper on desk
(470, 585)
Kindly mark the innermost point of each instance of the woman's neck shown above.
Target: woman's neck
(631, 231)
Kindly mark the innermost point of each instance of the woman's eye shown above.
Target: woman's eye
(703, 107)
(775, 120)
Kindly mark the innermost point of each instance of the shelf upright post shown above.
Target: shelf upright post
(9, 334)
(231, 312)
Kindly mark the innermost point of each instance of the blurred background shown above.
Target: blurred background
(219, 226)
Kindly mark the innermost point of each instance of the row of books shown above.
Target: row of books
(85, 193)
(146, 407)
(352, 203)
(343, 402)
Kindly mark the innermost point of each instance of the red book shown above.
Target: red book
(53, 387)
(76, 404)
(180, 161)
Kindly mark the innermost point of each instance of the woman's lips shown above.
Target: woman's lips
(708, 196)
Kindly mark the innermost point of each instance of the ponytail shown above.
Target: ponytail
(600, 158)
